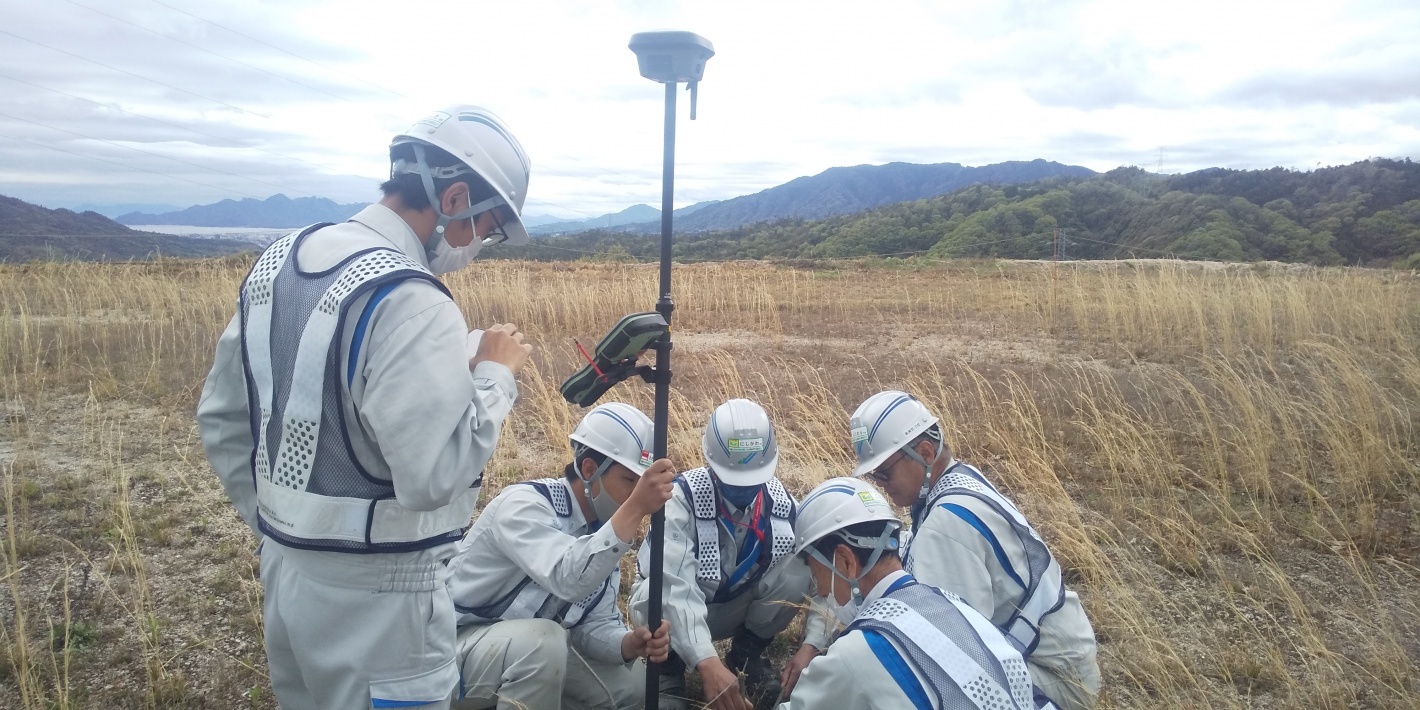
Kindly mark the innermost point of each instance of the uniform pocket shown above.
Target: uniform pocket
(435, 686)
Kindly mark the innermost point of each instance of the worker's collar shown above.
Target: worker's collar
(579, 519)
(882, 587)
(386, 223)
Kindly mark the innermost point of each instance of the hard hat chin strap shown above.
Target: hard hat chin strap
(426, 176)
(911, 452)
(879, 544)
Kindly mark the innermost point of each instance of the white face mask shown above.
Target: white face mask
(603, 504)
(446, 259)
(842, 613)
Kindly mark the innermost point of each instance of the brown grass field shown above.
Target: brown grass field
(1225, 458)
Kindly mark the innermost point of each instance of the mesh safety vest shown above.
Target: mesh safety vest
(528, 600)
(699, 489)
(1042, 590)
(312, 491)
(966, 661)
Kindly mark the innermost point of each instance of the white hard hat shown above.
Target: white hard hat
(739, 445)
(883, 424)
(836, 504)
(484, 144)
(620, 431)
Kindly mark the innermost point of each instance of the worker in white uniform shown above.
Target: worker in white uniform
(907, 645)
(536, 579)
(729, 565)
(350, 424)
(969, 539)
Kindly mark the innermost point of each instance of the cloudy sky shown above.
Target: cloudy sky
(182, 102)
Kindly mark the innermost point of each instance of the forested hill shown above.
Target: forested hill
(30, 232)
(846, 190)
(1366, 213)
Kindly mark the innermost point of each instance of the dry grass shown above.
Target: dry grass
(1225, 458)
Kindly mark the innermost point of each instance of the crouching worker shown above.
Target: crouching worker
(970, 540)
(729, 567)
(535, 580)
(907, 645)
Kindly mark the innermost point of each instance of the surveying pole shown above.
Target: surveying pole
(668, 58)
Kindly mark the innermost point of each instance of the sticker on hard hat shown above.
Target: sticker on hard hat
(859, 434)
(871, 498)
(740, 446)
(645, 458)
(431, 122)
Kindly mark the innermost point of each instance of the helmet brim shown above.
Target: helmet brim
(517, 234)
(757, 476)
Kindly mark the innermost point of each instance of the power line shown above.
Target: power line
(156, 155)
(134, 167)
(186, 128)
(214, 53)
(279, 49)
(139, 76)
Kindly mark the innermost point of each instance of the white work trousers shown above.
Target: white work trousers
(357, 631)
(1070, 693)
(528, 663)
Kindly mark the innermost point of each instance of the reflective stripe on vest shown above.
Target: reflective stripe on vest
(530, 601)
(699, 490)
(961, 654)
(295, 502)
(1043, 592)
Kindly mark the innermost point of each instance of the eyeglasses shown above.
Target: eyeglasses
(883, 472)
(497, 235)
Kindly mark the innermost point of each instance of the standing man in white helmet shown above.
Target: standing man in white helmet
(536, 578)
(350, 425)
(907, 644)
(729, 568)
(969, 539)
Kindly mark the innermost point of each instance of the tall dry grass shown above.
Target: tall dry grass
(1224, 458)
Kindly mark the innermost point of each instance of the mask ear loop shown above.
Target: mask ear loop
(881, 543)
(587, 482)
(427, 178)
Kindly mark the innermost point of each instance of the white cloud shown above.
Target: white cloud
(796, 87)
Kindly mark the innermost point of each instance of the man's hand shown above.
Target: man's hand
(503, 344)
(797, 662)
(651, 492)
(722, 686)
(639, 643)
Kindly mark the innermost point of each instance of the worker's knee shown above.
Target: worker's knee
(537, 642)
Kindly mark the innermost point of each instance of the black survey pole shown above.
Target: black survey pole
(664, 306)
(669, 58)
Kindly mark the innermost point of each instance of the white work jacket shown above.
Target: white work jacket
(853, 675)
(949, 553)
(519, 536)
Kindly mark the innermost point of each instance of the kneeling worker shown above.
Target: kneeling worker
(535, 580)
(907, 645)
(729, 565)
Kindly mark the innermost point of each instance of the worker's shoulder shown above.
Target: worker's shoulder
(529, 498)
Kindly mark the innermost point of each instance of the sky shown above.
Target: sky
(182, 102)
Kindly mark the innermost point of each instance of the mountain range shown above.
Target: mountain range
(835, 191)
(276, 211)
(29, 232)
(1366, 213)
(642, 216)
